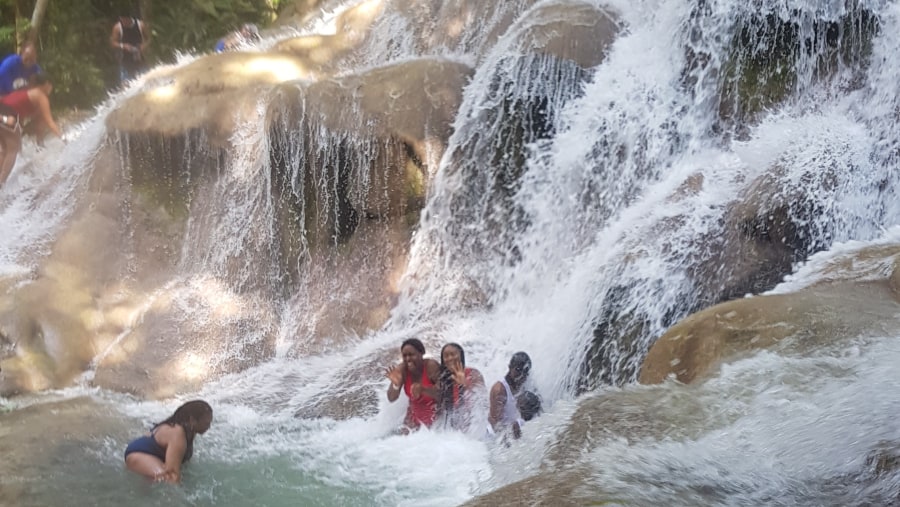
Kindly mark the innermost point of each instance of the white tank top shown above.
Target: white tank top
(510, 410)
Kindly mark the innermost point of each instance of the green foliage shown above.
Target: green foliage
(12, 34)
(73, 51)
(7, 38)
(73, 43)
(198, 24)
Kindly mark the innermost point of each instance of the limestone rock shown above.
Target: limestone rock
(209, 93)
(692, 349)
(569, 30)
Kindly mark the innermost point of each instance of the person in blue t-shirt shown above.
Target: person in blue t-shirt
(17, 69)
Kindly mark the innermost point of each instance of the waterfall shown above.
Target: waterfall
(563, 177)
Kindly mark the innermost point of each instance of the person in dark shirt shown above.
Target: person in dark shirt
(530, 405)
(129, 39)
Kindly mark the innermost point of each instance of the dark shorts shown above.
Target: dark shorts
(129, 70)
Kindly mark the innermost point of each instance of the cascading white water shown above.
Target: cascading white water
(610, 213)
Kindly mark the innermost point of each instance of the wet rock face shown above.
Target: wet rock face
(548, 55)
(773, 53)
(156, 328)
(778, 219)
(792, 323)
(776, 222)
(209, 94)
(102, 295)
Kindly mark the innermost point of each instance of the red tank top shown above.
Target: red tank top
(423, 409)
(18, 100)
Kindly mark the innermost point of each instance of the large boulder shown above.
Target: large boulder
(107, 298)
(328, 52)
(796, 322)
(569, 30)
(362, 146)
(750, 243)
(210, 94)
(413, 101)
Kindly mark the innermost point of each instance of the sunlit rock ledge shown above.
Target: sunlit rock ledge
(210, 93)
(217, 90)
(850, 302)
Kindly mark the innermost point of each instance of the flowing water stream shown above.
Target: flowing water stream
(603, 222)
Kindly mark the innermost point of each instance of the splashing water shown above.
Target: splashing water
(577, 212)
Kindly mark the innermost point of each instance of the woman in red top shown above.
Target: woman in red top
(458, 385)
(419, 378)
(33, 102)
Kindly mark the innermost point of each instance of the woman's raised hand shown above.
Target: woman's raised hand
(394, 374)
(458, 372)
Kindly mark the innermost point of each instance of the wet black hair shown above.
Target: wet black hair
(529, 405)
(194, 409)
(520, 361)
(414, 343)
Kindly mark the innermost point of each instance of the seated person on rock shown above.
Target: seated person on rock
(420, 379)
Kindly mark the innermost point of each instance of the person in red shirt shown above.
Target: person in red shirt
(419, 378)
(32, 103)
(460, 385)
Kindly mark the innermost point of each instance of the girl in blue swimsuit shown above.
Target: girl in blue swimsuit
(170, 443)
